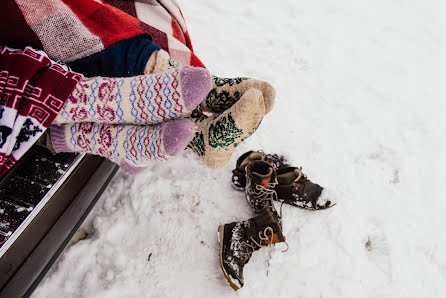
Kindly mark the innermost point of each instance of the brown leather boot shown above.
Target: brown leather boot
(261, 178)
(239, 173)
(294, 188)
(238, 240)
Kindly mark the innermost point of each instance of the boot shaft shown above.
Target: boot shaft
(239, 173)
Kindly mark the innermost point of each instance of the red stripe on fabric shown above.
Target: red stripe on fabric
(15, 32)
(194, 61)
(107, 22)
(158, 37)
(177, 32)
(186, 34)
(188, 41)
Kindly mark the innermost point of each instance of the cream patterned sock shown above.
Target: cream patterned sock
(129, 145)
(142, 100)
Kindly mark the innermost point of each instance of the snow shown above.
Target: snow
(360, 103)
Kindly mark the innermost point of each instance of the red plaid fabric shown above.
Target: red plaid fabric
(68, 30)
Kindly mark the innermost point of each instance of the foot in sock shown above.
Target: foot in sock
(130, 145)
(142, 100)
(218, 136)
(225, 92)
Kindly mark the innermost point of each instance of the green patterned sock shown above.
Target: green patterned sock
(218, 136)
(225, 92)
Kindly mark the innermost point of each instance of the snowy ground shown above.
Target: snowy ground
(360, 104)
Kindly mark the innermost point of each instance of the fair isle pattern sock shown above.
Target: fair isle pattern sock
(218, 136)
(134, 145)
(225, 92)
(142, 100)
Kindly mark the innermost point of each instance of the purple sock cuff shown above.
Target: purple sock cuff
(57, 136)
(131, 170)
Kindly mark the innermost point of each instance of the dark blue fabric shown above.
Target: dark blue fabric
(125, 58)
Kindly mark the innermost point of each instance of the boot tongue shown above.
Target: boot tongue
(276, 238)
(290, 176)
(298, 174)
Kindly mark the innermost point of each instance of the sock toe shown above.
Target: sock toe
(177, 134)
(196, 82)
(250, 109)
(268, 91)
(269, 95)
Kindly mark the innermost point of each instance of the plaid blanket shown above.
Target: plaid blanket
(33, 90)
(68, 30)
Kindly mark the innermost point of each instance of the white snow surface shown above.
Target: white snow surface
(360, 106)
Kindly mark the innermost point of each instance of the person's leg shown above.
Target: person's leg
(142, 100)
(133, 145)
(125, 58)
(225, 92)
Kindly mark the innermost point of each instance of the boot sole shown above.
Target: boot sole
(304, 206)
(221, 233)
(240, 188)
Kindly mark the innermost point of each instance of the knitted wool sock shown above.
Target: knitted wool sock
(225, 92)
(146, 99)
(133, 145)
(218, 136)
(160, 61)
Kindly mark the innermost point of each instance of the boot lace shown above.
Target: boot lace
(264, 240)
(265, 195)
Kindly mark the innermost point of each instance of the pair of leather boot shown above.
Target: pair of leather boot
(291, 186)
(265, 178)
